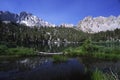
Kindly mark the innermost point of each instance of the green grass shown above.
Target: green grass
(101, 53)
(18, 51)
(59, 58)
(99, 75)
(107, 53)
(21, 51)
(92, 50)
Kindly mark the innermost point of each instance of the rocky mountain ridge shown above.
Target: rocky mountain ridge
(88, 24)
(24, 18)
(96, 24)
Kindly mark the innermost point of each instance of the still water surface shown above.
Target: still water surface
(41, 68)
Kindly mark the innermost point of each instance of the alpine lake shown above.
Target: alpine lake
(44, 68)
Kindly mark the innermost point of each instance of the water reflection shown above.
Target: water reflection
(41, 68)
(52, 47)
(32, 63)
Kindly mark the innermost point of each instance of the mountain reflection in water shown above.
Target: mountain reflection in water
(41, 68)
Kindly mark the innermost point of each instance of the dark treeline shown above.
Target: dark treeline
(20, 34)
(106, 36)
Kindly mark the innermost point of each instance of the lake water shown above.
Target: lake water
(41, 68)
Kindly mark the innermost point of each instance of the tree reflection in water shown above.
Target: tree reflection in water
(41, 68)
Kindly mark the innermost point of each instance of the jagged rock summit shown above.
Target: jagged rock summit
(24, 18)
(96, 24)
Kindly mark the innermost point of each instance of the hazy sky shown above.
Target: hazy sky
(63, 11)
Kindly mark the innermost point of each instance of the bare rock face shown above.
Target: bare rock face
(24, 18)
(97, 24)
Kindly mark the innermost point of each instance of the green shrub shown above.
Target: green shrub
(99, 75)
(88, 47)
(59, 58)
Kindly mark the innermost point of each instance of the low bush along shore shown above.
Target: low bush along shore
(59, 58)
(88, 49)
